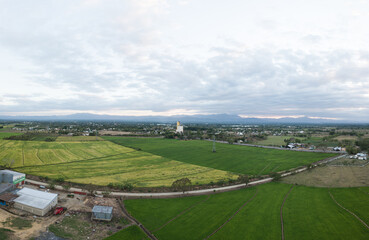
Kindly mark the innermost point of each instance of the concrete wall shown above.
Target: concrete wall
(37, 211)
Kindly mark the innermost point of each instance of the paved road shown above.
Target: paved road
(165, 194)
(194, 192)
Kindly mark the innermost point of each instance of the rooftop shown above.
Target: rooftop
(5, 187)
(12, 172)
(7, 197)
(102, 209)
(35, 198)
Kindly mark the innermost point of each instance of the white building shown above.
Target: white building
(361, 156)
(179, 127)
(35, 202)
(8, 176)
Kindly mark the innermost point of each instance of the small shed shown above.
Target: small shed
(7, 198)
(104, 213)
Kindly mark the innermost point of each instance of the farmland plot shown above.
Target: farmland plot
(233, 158)
(308, 213)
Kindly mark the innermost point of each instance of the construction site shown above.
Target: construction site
(33, 211)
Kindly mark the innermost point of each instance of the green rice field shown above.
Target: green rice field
(8, 134)
(132, 233)
(233, 158)
(275, 140)
(308, 213)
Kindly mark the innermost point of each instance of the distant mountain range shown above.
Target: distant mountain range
(210, 119)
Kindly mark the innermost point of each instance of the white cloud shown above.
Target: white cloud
(162, 57)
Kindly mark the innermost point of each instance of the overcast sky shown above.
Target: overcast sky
(262, 58)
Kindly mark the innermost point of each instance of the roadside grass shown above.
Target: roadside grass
(5, 233)
(132, 233)
(233, 158)
(310, 213)
(18, 223)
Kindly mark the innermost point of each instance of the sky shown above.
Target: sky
(265, 58)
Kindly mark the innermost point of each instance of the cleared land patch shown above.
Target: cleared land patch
(233, 158)
(308, 213)
(332, 176)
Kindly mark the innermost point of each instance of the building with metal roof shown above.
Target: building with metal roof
(15, 178)
(7, 198)
(35, 202)
(102, 213)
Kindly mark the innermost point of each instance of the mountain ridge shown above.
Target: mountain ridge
(211, 119)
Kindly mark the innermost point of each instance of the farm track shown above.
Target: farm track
(273, 170)
(353, 214)
(281, 212)
(38, 156)
(234, 214)
(69, 151)
(134, 220)
(23, 153)
(181, 213)
(264, 168)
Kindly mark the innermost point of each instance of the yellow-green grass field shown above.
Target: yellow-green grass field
(138, 168)
(101, 163)
(30, 153)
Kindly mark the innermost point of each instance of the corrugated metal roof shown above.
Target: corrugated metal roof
(8, 197)
(35, 198)
(102, 209)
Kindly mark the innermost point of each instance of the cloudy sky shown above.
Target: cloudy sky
(262, 58)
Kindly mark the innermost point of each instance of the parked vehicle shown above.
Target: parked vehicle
(59, 210)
